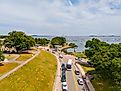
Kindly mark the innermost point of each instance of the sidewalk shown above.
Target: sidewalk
(57, 83)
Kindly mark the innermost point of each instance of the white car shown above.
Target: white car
(60, 56)
(64, 86)
(80, 81)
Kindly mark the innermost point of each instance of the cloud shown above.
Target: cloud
(69, 17)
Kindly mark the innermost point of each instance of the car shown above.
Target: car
(63, 73)
(63, 78)
(53, 52)
(64, 86)
(47, 49)
(80, 81)
(76, 58)
(60, 56)
(77, 72)
(63, 67)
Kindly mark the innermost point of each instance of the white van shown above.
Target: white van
(69, 64)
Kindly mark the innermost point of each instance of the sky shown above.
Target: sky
(61, 17)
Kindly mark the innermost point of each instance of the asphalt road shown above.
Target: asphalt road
(72, 77)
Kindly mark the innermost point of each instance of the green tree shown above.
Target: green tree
(2, 57)
(106, 59)
(1, 54)
(19, 40)
(42, 41)
(73, 45)
(30, 42)
(0, 44)
(58, 41)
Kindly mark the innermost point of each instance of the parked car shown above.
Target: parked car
(64, 86)
(63, 67)
(60, 56)
(53, 52)
(76, 58)
(80, 81)
(77, 72)
(63, 78)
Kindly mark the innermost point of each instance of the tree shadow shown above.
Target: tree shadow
(1, 64)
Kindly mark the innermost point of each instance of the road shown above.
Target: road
(72, 77)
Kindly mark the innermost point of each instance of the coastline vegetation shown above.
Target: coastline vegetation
(19, 41)
(57, 41)
(106, 59)
(42, 41)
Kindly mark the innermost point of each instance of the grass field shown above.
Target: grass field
(7, 67)
(86, 69)
(10, 56)
(37, 75)
(24, 57)
(79, 54)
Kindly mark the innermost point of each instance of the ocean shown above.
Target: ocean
(81, 40)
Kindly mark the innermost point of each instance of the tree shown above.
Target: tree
(0, 44)
(106, 59)
(2, 57)
(73, 45)
(42, 41)
(19, 40)
(58, 41)
(30, 42)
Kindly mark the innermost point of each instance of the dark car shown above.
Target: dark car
(63, 67)
(63, 78)
(47, 49)
(63, 73)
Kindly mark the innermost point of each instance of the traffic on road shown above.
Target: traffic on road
(70, 76)
(71, 79)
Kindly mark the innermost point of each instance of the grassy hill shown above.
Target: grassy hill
(37, 75)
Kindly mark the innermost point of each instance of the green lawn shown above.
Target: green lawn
(10, 56)
(24, 57)
(86, 69)
(79, 54)
(7, 67)
(37, 75)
